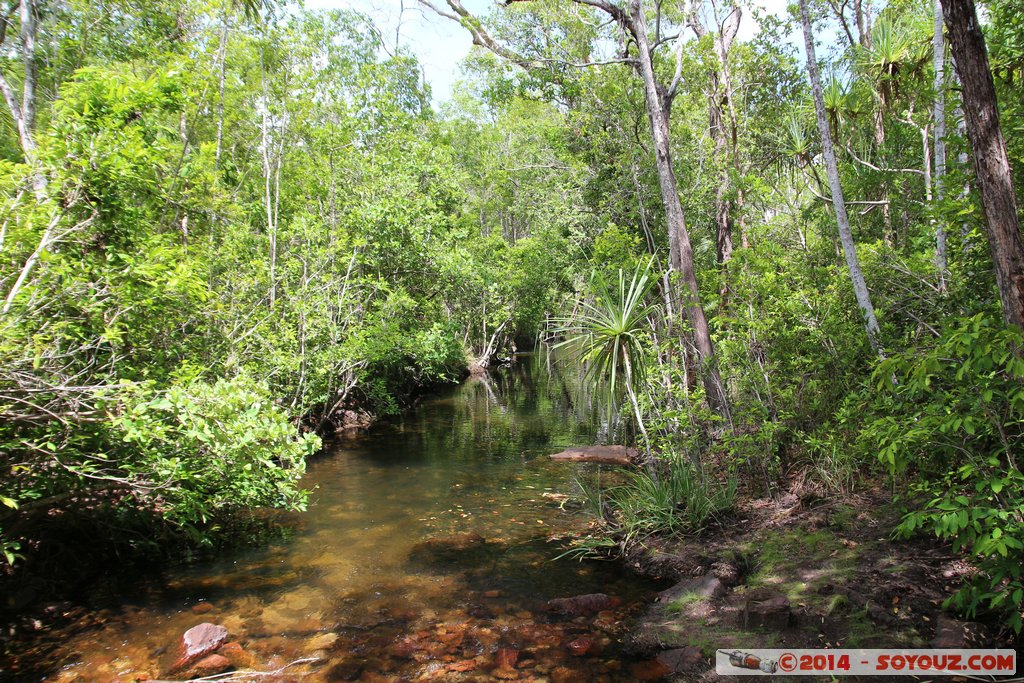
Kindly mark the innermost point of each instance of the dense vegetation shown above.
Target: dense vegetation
(224, 224)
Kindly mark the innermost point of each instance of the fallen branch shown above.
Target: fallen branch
(229, 676)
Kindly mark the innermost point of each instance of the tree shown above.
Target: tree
(860, 288)
(991, 163)
(658, 97)
(939, 137)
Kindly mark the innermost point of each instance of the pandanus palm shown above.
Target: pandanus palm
(608, 334)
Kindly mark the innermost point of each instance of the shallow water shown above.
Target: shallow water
(426, 554)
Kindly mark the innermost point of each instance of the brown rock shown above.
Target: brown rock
(608, 455)
(210, 665)
(584, 605)
(769, 613)
(463, 666)
(236, 654)
(199, 641)
(706, 587)
(650, 670)
(682, 659)
(202, 607)
(506, 658)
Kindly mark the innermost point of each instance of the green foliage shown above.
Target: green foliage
(199, 451)
(951, 418)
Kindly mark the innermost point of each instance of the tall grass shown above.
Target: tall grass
(679, 501)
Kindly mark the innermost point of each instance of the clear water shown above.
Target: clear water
(427, 549)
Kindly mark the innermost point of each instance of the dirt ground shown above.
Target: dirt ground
(793, 574)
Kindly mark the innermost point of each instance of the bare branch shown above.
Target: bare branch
(485, 40)
(880, 169)
(677, 77)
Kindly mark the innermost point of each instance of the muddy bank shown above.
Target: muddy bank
(784, 574)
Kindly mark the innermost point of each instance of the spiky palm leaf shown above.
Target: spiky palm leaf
(608, 334)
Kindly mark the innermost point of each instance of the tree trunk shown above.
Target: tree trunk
(991, 164)
(680, 249)
(223, 50)
(860, 288)
(939, 142)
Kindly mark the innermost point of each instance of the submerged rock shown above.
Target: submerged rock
(608, 455)
(210, 665)
(584, 605)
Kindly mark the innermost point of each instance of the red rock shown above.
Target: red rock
(198, 642)
(651, 670)
(492, 594)
(581, 646)
(202, 607)
(584, 605)
(210, 665)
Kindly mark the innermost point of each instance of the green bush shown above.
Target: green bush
(950, 418)
(199, 451)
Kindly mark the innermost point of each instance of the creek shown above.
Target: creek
(427, 553)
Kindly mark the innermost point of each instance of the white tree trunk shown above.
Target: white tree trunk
(860, 287)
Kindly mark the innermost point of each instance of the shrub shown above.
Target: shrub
(951, 419)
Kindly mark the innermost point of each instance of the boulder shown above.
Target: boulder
(583, 605)
(607, 455)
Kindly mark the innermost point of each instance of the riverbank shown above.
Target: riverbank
(799, 574)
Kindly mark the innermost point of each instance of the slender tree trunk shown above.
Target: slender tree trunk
(223, 50)
(939, 142)
(680, 249)
(860, 287)
(23, 109)
(723, 221)
(991, 164)
(29, 28)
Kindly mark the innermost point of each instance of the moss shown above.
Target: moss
(798, 563)
(679, 604)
